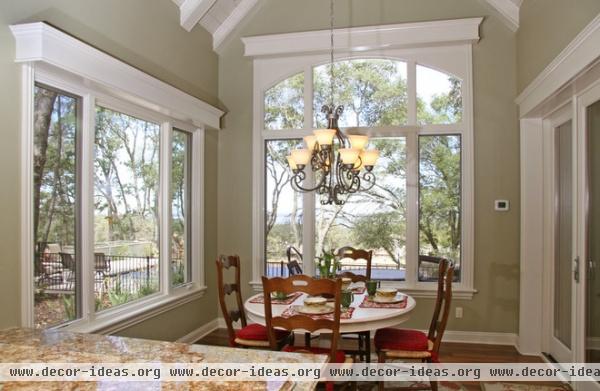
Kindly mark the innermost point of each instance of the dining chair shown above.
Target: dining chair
(413, 344)
(293, 265)
(250, 335)
(312, 287)
(364, 337)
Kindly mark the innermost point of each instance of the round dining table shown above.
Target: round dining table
(363, 319)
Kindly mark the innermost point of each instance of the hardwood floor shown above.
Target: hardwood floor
(449, 353)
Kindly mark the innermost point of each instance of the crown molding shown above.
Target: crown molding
(420, 34)
(509, 9)
(42, 43)
(576, 57)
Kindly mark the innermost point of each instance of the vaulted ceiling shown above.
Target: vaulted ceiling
(220, 17)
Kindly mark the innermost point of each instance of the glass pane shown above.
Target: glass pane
(372, 91)
(283, 219)
(439, 97)
(563, 257)
(56, 275)
(592, 346)
(284, 104)
(372, 220)
(180, 208)
(439, 203)
(126, 260)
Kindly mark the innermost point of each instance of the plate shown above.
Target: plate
(320, 310)
(393, 300)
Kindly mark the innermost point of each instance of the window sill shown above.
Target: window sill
(122, 317)
(459, 293)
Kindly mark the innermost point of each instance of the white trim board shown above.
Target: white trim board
(420, 34)
(233, 20)
(509, 9)
(40, 42)
(191, 11)
(572, 61)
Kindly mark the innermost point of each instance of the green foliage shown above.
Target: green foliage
(69, 306)
(284, 104)
(178, 275)
(117, 296)
(328, 264)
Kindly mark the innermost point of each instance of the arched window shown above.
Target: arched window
(415, 105)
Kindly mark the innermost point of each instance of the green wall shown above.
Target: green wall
(147, 35)
(495, 307)
(546, 28)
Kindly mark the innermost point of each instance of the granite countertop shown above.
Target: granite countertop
(30, 345)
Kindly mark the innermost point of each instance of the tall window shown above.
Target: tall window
(414, 215)
(126, 246)
(55, 195)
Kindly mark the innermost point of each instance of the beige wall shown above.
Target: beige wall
(145, 34)
(495, 307)
(546, 28)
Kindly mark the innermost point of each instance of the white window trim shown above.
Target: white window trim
(447, 46)
(56, 59)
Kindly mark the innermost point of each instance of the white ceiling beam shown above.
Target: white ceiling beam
(235, 17)
(509, 9)
(191, 11)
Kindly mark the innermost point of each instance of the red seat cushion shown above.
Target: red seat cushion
(340, 356)
(397, 339)
(257, 332)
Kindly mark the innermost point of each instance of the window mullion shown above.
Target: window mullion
(87, 208)
(164, 232)
(411, 89)
(308, 199)
(412, 210)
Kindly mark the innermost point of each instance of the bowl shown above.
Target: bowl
(346, 281)
(387, 293)
(315, 301)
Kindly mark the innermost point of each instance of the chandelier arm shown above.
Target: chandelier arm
(299, 177)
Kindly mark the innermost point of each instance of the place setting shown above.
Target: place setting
(383, 297)
(277, 298)
(318, 307)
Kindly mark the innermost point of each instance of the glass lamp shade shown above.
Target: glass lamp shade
(301, 156)
(311, 142)
(358, 141)
(349, 155)
(369, 158)
(324, 136)
(291, 162)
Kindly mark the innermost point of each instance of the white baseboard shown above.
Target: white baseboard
(200, 332)
(478, 337)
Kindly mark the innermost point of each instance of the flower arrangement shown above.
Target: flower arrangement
(327, 264)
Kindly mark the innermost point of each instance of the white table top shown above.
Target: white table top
(363, 319)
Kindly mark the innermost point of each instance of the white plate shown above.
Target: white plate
(314, 310)
(392, 300)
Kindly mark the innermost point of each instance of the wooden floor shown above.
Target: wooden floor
(449, 353)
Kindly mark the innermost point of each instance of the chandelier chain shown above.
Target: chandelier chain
(331, 71)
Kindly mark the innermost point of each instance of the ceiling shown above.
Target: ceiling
(221, 17)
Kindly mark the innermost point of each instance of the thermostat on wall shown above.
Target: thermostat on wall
(502, 205)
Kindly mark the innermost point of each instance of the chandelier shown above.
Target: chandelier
(341, 164)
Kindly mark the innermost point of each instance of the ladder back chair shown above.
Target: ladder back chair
(413, 344)
(313, 287)
(294, 256)
(250, 335)
(364, 338)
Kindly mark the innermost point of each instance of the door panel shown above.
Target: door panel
(592, 340)
(564, 238)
